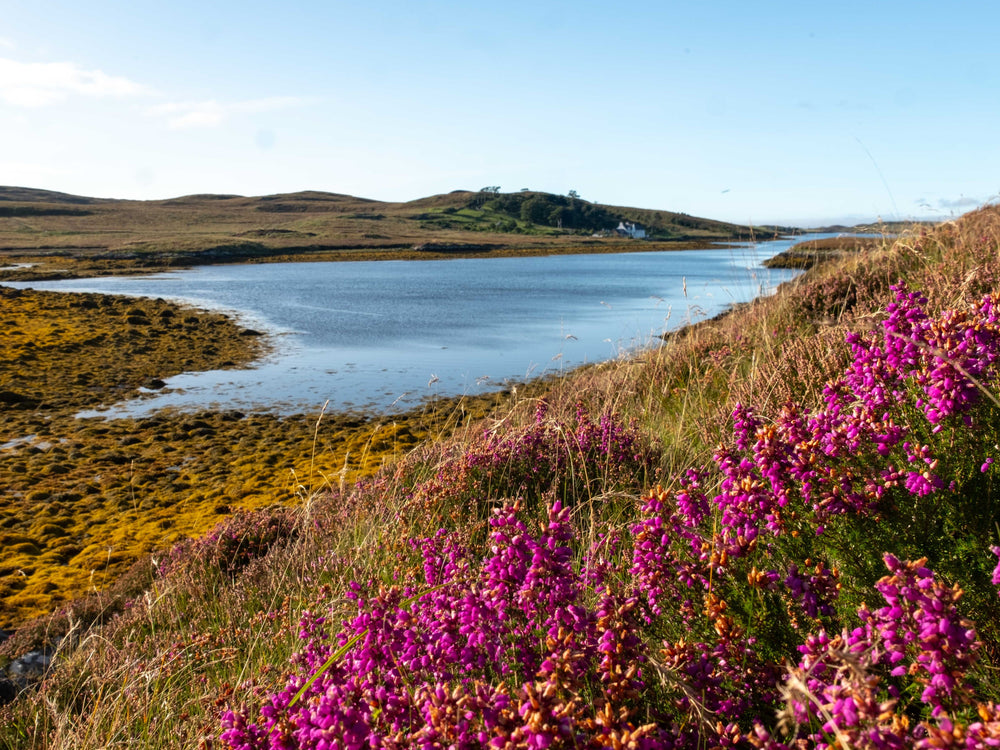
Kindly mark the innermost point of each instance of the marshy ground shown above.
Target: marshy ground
(84, 498)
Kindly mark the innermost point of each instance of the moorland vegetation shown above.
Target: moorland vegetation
(779, 529)
(44, 234)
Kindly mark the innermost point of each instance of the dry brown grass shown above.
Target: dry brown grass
(808, 254)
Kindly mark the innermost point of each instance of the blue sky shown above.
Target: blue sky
(800, 113)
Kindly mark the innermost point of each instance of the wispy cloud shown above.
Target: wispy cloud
(960, 202)
(189, 114)
(40, 84)
(211, 113)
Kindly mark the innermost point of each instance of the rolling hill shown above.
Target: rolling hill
(78, 235)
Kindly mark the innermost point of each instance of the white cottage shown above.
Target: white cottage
(630, 230)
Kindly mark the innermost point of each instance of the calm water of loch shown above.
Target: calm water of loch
(385, 335)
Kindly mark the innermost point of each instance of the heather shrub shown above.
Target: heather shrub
(573, 459)
(234, 542)
(903, 678)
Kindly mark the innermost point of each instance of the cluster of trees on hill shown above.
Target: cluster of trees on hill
(546, 209)
(573, 214)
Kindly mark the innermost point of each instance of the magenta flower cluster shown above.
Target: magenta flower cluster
(842, 457)
(851, 689)
(504, 652)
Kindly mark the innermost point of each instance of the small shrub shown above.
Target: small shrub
(234, 542)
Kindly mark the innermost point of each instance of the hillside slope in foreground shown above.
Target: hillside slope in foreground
(778, 530)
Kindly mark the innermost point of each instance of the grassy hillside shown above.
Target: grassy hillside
(774, 531)
(49, 234)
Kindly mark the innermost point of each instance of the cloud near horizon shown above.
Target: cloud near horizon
(33, 85)
(212, 113)
(960, 202)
